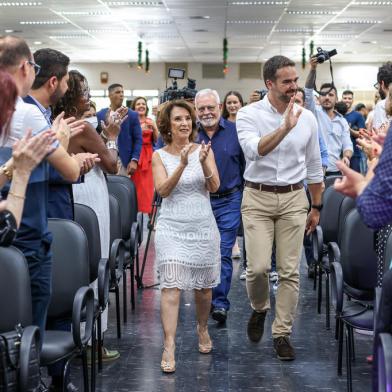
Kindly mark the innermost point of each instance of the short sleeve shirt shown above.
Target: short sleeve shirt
(33, 229)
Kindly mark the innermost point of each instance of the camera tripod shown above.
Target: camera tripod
(156, 203)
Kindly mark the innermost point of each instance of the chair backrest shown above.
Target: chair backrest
(122, 194)
(329, 216)
(347, 205)
(86, 217)
(388, 253)
(15, 292)
(69, 268)
(330, 180)
(128, 183)
(357, 255)
(115, 218)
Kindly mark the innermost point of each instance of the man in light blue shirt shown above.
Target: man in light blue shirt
(332, 125)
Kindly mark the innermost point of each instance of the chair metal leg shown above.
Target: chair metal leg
(351, 331)
(118, 315)
(65, 371)
(125, 295)
(133, 286)
(93, 352)
(99, 340)
(85, 370)
(327, 305)
(316, 268)
(340, 345)
(336, 328)
(138, 280)
(348, 359)
(320, 289)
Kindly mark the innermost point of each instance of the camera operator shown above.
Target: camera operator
(332, 125)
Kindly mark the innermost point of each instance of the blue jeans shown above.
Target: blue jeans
(227, 212)
(40, 268)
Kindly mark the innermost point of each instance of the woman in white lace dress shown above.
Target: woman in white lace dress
(187, 241)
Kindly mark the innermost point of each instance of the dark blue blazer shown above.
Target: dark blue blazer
(130, 137)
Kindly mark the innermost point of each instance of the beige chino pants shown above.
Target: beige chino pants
(281, 217)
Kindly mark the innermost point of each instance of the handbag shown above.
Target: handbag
(19, 360)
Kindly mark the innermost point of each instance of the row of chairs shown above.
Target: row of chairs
(77, 262)
(343, 248)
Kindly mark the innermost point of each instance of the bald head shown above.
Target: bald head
(13, 50)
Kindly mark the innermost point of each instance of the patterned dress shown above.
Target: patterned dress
(187, 240)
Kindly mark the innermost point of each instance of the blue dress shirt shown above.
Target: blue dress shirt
(375, 202)
(355, 121)
(229, 157)
(130, 138)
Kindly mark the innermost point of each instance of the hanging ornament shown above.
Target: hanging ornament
(225, 55)
(311, 47)
(303, 58)
(139, 55)
(147, 67)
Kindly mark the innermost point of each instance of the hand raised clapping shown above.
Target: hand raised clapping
(204, 151)
(185, 153)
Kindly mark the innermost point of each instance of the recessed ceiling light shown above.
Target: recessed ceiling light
(251, 21)
(85, 13)
(9, 31)
(314, 12)
(358, 21)
(37, 43)
(279, 3)
(381, 3)
(134, 3)
(69, 36)
(43, 22)
(155, 22)
(304, 31)
(20, 4)
(199, 17)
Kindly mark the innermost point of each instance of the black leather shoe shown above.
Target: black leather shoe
(256, 326)
(284, 349)
(311, 271)
(219, 315)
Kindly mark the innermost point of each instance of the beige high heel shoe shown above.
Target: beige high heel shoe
(168, 366)
(204, 348)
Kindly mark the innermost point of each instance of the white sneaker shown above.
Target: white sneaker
(243, 275)
(273, 276)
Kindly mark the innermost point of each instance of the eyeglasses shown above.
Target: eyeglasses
(376, 86)
(37, 68)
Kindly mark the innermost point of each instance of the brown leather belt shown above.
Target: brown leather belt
(275, 188)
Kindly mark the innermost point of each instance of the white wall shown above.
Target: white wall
(357, 77)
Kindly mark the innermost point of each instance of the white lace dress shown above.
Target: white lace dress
(187, 240)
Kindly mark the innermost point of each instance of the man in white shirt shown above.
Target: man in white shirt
(383, 110)
(280, 143)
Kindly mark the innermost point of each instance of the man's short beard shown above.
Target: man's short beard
(211, 122)
(382, 94)
(56, 96)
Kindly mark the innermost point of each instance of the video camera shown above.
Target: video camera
(324, 55)
(171, 93)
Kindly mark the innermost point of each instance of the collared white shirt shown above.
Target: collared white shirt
(380, 115)
(295, 158)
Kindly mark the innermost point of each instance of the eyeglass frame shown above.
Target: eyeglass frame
(37, 68)
(377, 85)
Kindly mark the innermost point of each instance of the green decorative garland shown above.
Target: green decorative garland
(147, 68)
(311, 47)
(139, 55)
(303, 58)
(225, 56)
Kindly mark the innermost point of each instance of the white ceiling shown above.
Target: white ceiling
(193, 30)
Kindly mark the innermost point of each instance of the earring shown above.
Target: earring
(169, 133)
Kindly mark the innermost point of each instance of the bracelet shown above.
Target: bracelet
(15, 195)
(111, 144)
(210, 176)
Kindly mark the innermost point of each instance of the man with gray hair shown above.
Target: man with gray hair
(226, 203)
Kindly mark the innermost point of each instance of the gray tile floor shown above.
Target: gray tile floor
(236, 364)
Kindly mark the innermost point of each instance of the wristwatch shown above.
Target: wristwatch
(318, 207)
